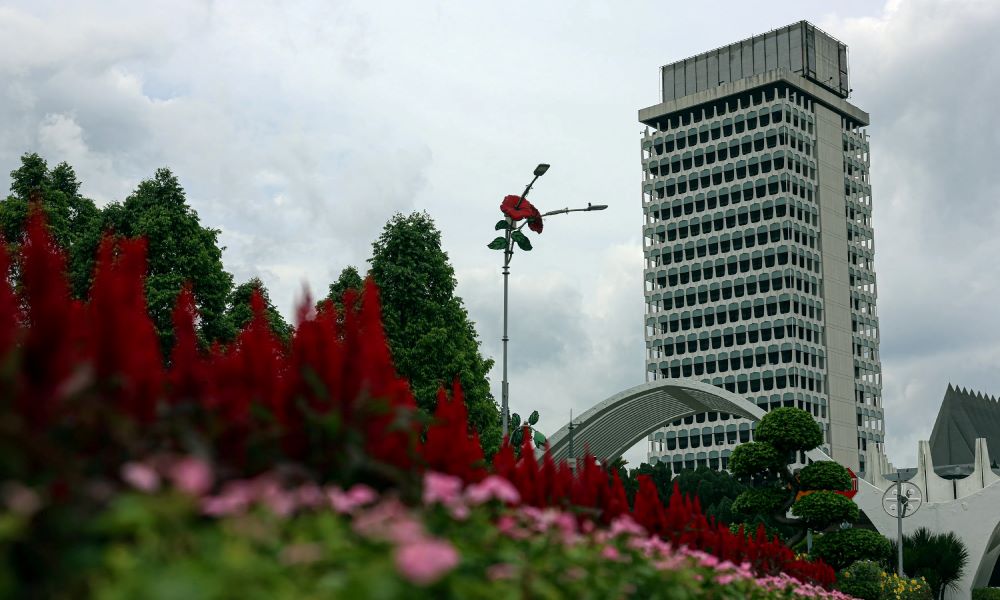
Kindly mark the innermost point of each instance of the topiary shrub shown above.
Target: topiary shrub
(986, 594)
(760, 502)
(753, 458)
(863, 580)
(845, 547)
(789, 430)
(764, 464)
(824, 475)
(821, 509)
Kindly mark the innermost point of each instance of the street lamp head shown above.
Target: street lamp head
(541, 169)
(596, 206)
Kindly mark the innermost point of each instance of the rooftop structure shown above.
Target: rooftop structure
(964, 416)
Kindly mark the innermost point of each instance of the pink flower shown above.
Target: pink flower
(493, 487)
(389, 521)
(281, 502)
(458, 511)
(441, 488)
(501, 571)
(309, 495)
(610, 553)
(191, 475)
(21, 499)
(425, 561)
(221, 506)
(509, 526)
(140, 476)
(626, 525)
(345, 502)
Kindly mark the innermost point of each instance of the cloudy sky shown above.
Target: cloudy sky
(299, 128)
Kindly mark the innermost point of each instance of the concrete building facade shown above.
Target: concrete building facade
(758, 243)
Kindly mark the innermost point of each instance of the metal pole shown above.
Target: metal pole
(900, 507)
(572, 453)
(504, 389)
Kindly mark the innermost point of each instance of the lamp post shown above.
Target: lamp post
(516, 209)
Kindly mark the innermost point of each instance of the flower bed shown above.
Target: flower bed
(227, 471)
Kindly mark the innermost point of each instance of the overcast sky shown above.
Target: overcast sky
(299, 128)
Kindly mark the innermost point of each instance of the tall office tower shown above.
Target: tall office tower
(759, 246)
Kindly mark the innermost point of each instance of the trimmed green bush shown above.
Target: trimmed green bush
(862, 580)
(789, 430)
(760, 501)
(840, 549)
(824, 475)
(752, 458)
(986, 594)
(821, 509)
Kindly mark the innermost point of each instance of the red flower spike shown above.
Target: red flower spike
(9, 311)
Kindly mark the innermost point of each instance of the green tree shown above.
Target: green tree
(180, 250)
(430, 335)
(75, 221)
(349, 279)
(940, 558)
(716, 490)
(660, 474)
(842, 548)
(764, 465)
(239, 313)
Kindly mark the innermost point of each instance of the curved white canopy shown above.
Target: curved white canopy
(613, 426)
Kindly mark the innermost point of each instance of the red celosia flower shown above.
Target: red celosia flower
(9, 312)
(518, 208)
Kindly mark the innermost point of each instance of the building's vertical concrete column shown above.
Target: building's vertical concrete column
(836, 288)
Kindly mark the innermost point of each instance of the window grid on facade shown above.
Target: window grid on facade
(733, 240)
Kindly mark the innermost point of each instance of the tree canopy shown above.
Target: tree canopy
(180, 250)
(430, 335)
(239, 312)
(349, 279)
(75, 221)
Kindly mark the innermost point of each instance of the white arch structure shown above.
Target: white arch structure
(616, 424)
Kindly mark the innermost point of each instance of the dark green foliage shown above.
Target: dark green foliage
(824, 475)
(789, 430)
(349, 279)
(940, 558)
(180, 250)
(716, 490)
(760, 501)
(841, 548)
(660, 473)
(862, 580)
(75, 221)
(821, 509)
(986, 594)
(754, 458)
(430, 335)
(240, 313)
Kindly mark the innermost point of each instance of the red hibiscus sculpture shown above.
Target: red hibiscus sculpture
(518, 208)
